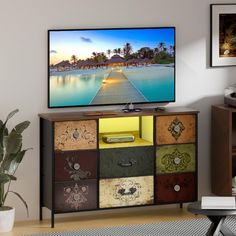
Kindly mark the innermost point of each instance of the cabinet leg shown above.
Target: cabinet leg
(52, 220)
(40, 213)
(181, 205)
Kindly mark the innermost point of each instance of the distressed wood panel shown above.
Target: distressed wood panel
(126, 162)
(75, 135)
(75, 196)
(175, 129)
(75, 165)
(175, 188)
(121, 192)
(175, 158)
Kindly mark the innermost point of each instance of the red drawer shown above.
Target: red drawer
(175, 188)
(75, 165)
(75, 196)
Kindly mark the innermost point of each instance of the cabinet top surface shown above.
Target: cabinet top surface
(89, 115)
(225, 107)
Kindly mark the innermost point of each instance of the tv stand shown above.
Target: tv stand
(80, 172)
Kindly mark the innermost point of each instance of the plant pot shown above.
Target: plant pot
(7, 217)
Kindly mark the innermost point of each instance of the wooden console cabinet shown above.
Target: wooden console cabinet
(223, 149)
(80, 172)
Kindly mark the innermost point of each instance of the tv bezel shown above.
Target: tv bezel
(112, 104)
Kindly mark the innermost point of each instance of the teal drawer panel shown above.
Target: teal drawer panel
(126, 162)
(175, 158)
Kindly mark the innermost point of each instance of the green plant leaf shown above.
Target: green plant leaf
(7, 162)
(12, 142)
(21, 154)
(4, 178)
(1, 153)
(22, 126)
(10, 115)
(21, 198)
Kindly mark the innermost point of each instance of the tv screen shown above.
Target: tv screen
(89, 67)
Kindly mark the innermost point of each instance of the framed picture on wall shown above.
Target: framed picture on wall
(223, 35)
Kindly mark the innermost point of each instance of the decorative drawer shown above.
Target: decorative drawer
(122, 192)
(175, 188)
(75, 196)
(175, 158)
(126, 162)
(175, 129)
(75, 135)
(75, 165)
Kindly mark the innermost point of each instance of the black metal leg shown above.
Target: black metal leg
(40, 213)
(217, 226)
(181, 205)
(52, 219)
(216, 223)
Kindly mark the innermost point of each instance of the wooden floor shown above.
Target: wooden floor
(96, 220)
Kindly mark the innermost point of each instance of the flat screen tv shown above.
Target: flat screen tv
(89, 67)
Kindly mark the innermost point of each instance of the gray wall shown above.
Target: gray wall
(23, 63)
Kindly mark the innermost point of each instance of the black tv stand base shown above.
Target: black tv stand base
(159, 109)
(126, 110)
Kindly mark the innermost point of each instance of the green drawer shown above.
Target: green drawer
(126, 162)
(175, 158)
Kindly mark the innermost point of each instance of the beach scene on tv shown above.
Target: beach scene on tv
(111, 66)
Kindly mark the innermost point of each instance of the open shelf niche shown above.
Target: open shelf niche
(141, 127)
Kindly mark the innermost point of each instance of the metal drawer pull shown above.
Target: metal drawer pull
(177, 188)
(76, 134)
(76, 166)
(127, 164)
(177, 160)
(131, 191)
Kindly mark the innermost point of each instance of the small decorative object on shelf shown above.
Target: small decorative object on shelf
(218, 202)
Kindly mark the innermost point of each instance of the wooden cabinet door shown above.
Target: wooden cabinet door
(126, 162)
(173, 188)
(75, 165)
(76, 196)
(175, 129)
(121, 192)
(75, 135)
(175, 158)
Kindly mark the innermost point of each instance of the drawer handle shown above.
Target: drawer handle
(131, 191)
(127, 164)
(177, 188)
(76, 134)
(177, 160)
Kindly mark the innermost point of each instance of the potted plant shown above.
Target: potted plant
(11, 155)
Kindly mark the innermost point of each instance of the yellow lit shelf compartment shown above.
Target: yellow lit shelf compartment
(141, 127)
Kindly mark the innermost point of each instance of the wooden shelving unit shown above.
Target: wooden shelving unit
(223, 149)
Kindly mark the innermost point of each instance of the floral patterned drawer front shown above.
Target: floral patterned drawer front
(75, 165)
(175, 158)
(75, 135)
(174, 188)
(121, 192)
(175, 129)
(75, 196)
